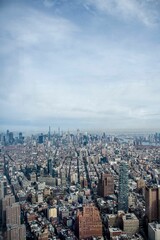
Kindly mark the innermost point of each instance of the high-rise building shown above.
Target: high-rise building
(3, 189)
(49, 133)
(11, 138)
(13, 214)
(123, 187)
(50, 167)
(33, 177)
(130, 224)
(52, 212)
(17, 232)
(106, 185)
(6, 202)
(153, 231)
(63, 176)
(152, 201)
(21, 138)
(40, 138)
(88, 222)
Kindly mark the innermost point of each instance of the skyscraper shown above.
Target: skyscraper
(40, 138)
(1, 189)
(6, 202)
(49, 133)
(13, 214)
(106, 185)
(152, 200)
(17, 232)
(50, 167)
(123, 187)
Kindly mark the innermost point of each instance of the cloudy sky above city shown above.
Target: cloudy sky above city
(88, 64)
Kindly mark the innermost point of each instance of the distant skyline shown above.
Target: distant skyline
(88, 64)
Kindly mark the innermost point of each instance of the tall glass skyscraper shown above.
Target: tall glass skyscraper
(50, 167)
(123, 187)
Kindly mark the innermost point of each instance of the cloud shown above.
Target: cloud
(146, 12)
(55, 69)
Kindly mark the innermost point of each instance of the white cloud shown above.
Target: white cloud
(53, 68)
(144, 11)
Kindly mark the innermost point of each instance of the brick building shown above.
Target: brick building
(106, 185)
(152, 200)
(88, 222)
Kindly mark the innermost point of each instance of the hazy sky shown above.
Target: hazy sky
(88, 64)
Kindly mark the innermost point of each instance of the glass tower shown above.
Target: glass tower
(123, 187)
(50, 166)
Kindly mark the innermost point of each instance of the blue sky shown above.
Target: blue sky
(88, 64)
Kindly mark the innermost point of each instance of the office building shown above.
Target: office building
(11, 138)
(88, 222)
(152, 201)
(63, 176)
(130, 224)
(153, 231)
(16, 232)
(6, 202)
(52, 212)
(2, 189)
(3, 192)
(33, 177)
(49, 133)
(13, 214)
(123, 187)
(40, 139)
(50, 167)
(106, 185)
(21, 138)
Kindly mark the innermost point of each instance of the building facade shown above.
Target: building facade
(50, 167)
(17, 232)
(152, 200)
(130, 224)
(106, 185)
(153, 231)
(13, 214)
(88, 222)
(123, 187)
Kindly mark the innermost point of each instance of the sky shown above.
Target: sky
(87, 64)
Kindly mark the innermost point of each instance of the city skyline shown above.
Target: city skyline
(88, 64)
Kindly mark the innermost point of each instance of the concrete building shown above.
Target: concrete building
(152, 200)
(52, 212)
(33, 177)
(63, 177)
(153, 231)
(130, 224)
(106, 185)
(13, 214)
(140, 184)
(114, 232)
(88, 222)
(112, 220)
(1, 189)
(6, 202)
(131, 201)
(17, 232)
(39, 197)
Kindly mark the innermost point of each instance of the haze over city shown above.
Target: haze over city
(91, 64)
